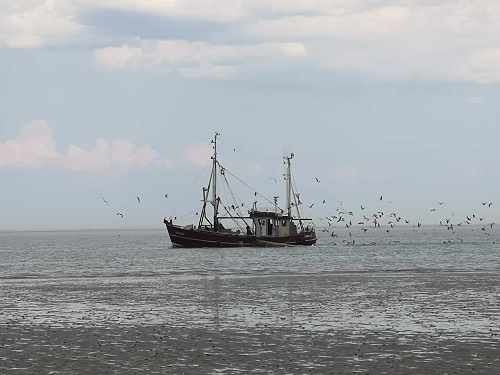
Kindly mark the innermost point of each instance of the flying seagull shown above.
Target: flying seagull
(311, 205)
(105, 201)
(380, 198)
(119, 214)
(317, 180)
(272, 178)
(166, 195)
(138, 199)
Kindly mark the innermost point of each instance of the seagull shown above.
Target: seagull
(440, 203)
(362, 207)
(119, 214)
(433, 210)
(166, 195)
(105, 201)
(489, 204)
(138, 199)
(272, 178)
(380, 198)
(324, 201)
(311, 205)
(317, 179)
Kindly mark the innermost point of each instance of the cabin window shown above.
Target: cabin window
(283, 223)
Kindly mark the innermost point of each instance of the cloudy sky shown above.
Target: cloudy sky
(118, 98)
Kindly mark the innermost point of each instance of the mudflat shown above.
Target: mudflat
(391, 322)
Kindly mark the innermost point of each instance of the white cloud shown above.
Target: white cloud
(455, 40)
(193, 59)
(414, 39)
(216, 10)
(198, 154)
(34, 148)
(356, 25)
(36, 23)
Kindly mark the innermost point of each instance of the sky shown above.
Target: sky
(120, 98)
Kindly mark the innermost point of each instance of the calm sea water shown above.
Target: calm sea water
(408, 301)
(142, 253)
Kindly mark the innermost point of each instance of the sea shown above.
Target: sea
(402, 300)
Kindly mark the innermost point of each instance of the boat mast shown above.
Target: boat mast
(288, 179)
(214, 181)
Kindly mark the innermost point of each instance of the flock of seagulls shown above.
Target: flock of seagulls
(349, 219)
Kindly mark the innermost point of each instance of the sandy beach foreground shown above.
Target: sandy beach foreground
(401, 322)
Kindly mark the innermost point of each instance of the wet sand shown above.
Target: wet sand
(402, 322)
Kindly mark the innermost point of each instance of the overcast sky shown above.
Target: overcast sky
(120, 98)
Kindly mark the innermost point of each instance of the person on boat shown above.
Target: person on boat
(249, 231)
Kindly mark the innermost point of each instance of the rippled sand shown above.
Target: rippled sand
(400, 322)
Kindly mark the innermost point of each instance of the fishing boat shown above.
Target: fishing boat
(258, 227)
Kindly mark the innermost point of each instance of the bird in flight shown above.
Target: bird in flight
(380, 198)
(166, 195)
(119, 214)
(440, 203)
(105, 201)
(489, 204)
(311, 205)
(138, 199)
(317, 180)
(362, 207)
(433, 210)
(272, 178)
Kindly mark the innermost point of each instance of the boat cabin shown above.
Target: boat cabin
(268, 222)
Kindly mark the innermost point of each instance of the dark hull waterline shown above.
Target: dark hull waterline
(193, 238)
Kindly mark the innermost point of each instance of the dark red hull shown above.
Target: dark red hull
(206, 238)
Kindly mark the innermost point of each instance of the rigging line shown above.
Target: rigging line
(248, 153)
(189, 190)
(235, 219)
(189, 213)
(225, 193)
(235, 201)
(248, 186)
(227, 187)
(294, 189)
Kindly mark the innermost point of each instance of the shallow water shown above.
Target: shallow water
(409, 301)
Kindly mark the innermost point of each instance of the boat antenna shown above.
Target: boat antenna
(215, 202)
